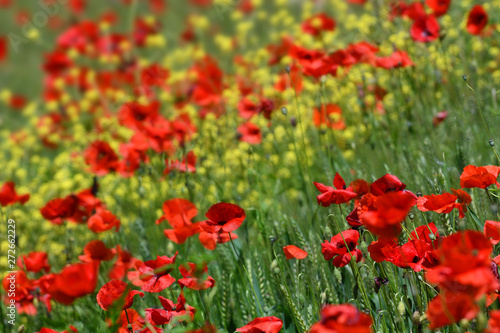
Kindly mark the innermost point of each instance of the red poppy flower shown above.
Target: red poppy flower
(116, 292)
(342, 318)
(494, 322)
(367, 203)
(74, 281)
(439, 7)
(96, 250)
(278, 51)
(209, 84)
(291, 251)
(360, 187)
(480, 177)
(439, 118)
(464, 264)
(317, 24)
(34, 262)
(314, 63)
(341, 247)
(178, 212)
(133, 114)
(442, 203)
(72, 329)
(391, 210)
(397, 59)
(337, 195)
(9, 196)
(330, 115)
(3, 48)
(250, 133)
(210, 240)
(170, 311)
(188, 164)
(492, 231)
(101, 158)
(425, 29)
(477, 20)
(124, 262)
(450, 307)
(57, 210)
(223, 217)
(262, 325)
(56, 63)
(290, 80)
(102, 221)
(385, 184)
(195, 277)
(155, 274)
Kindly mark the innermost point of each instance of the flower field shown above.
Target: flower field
(253, 166)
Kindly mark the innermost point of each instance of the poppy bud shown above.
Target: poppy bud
(419, 194)
(293, 121)
(464, 323)
(328, 232)
(323, 79)
(432, 236)
(274, 267)
(401, 308)
(416, 318)
(273, 239)
(170, 247)
(287, 69)
(20, 329)
(464, 77)
(284, 111)
(492, 142)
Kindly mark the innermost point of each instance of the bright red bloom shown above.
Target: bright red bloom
(178, 212)
(480, 177)
(170, 311)
(101, 158)
(343, 318)
(391, 210)
(318, 23)
(124, 262)
(330, 115)
(9, 196)
(492, 231)
(3, 48)
(291, 251)
(314, 63)
(442, 204)
(74, 281)
(102, 221)
(439, 7)
(195, 277)
(116, 292)
(477, 20)
(494, 322)
(397, 59)
(450, 307)
(464, 265)
(210, 240)
(96, 250)
(262, 325)
(341, 247)
(425, 29)
(34, 262)
(250, 133)
(338, 195)
(223, 217)
(57, 210)
(155, 274)
(385, 184)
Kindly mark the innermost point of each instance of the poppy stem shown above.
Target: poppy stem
(129, 328)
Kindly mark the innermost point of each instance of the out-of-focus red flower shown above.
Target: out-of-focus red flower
(3, 48)
(9, 196)
(449, 307)
(101, 158)
(155, 274)
(56, 63)
(57, 210)
(480, 177)
(278, 51)
(492, 231)
(262, 325)
(34, 262)
(318, 23)
(425, 29)
(195, 277)
(494, 322)
(396, 60)
(116, 292)
(74, 281)
(330, 115)
(102, 221)
(96, 250)
(338, 195)
(357, 2)
(291, 251)
(439, 118)
(72, 329)
(250, 133)
(123, 263)
(342, 247)
(187, 164)
(477, 20)
(391, 210)
(342, 318)
(439, 7)
(223, 217)
(170, 311)
(314, 63)
(385, 184)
